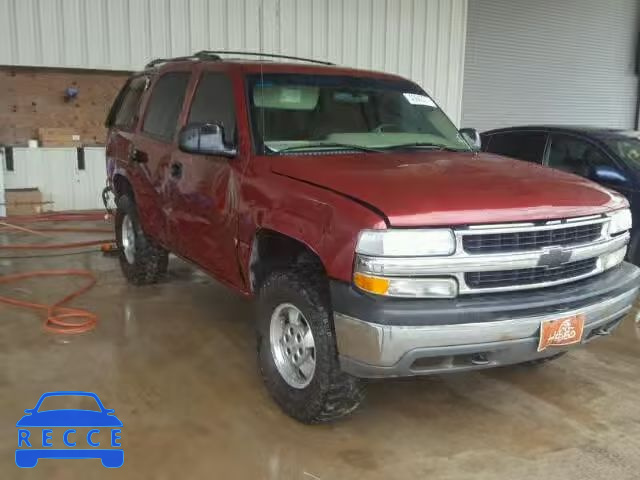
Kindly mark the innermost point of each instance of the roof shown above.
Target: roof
(586, 130)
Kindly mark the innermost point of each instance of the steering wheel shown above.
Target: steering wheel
(383, 126)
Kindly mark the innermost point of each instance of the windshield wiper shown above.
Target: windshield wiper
(430, 146)
(328, 146)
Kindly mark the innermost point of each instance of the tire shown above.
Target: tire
(327, 393)
(543, 361)
(146, 262)
(633, 252)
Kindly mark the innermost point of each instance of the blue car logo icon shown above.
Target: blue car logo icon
(32, 446)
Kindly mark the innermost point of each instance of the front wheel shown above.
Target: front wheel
(297, 351)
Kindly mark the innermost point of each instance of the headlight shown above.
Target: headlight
(406, 243)
(620, 221)
(425, 287)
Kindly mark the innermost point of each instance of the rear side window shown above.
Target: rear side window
(213, 103)
(528, 146)
(165, 105)
(127, 108)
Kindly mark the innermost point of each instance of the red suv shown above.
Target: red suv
(378, 240)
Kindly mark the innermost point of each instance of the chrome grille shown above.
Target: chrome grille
(530, 240)
(513, 256)
(529, 276)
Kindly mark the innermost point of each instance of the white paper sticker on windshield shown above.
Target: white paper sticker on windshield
(416, 99)
(290, 95)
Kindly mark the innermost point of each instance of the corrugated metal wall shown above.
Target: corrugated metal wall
(55, 172)
(420, 39)
(550, 61)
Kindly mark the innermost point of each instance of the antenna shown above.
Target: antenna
(264, 126)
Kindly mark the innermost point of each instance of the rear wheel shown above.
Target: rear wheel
(297, 352)
(142, 261)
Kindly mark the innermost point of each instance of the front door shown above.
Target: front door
(204, 189)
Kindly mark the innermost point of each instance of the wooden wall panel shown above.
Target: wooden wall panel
(32, 98)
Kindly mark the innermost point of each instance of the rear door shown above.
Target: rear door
(122, 121)
(205, 188)
(523, 145)
(150, 152)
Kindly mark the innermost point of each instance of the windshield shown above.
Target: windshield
(628, 149)
(294, 112)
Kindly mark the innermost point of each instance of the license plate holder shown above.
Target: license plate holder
(559, 332)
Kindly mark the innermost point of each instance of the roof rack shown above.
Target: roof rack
(214, 55)
(194, 57)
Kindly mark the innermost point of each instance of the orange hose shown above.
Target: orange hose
(56, 216)
(54, 246)
(42, 231)
(59, 313)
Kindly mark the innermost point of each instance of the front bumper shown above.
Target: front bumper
(381, 337)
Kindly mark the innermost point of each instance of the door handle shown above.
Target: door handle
(137, 156)
(176, 170)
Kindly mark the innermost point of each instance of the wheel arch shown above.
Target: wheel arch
(121, 185)
(272, 249)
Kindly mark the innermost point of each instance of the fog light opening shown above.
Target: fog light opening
(612, 259)
(480, 358)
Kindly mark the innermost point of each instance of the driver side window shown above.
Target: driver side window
(574, 155)
(213, 103)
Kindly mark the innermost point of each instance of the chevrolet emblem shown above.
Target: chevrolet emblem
(554, 257)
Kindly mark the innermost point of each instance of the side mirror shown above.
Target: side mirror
(205, 139)
(29, 410)
(472, 137)
(608, 174)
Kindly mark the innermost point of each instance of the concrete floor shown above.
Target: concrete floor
(176, 361)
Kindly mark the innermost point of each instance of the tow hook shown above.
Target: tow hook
(479, 359)
(602, 332)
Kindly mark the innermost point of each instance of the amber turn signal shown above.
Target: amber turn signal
(371, 284)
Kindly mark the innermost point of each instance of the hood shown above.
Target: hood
(446, 188)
